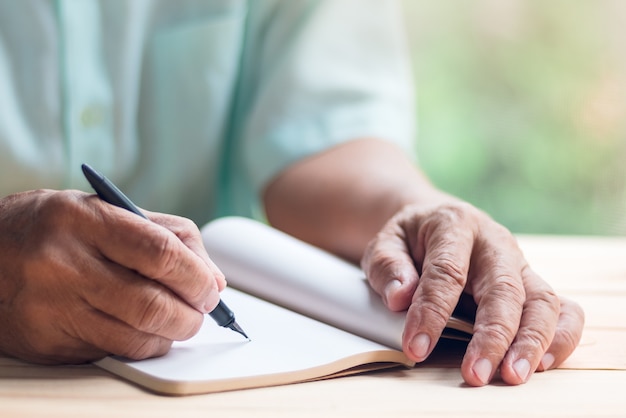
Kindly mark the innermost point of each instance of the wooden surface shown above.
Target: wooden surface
(589, 270)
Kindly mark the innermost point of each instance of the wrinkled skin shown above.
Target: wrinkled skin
(423, 260)
(80, 279)
(421, 249)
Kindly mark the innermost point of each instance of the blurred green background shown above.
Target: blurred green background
(522, 109)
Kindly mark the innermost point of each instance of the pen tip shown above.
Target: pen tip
(235, 327)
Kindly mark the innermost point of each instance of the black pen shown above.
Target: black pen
(108, 192)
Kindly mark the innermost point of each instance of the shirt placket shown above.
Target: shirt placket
(87, 96)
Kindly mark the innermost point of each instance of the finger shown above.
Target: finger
(115, 337)
(445, 267)
(89, 337)
(537, 327)
(389, 268)
(143, 304)
(189, 234)
(156, 253)
(567, 335)
(500, 297)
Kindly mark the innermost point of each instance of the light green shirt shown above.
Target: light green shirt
(193, 106)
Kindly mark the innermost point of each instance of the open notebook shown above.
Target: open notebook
(309, 316)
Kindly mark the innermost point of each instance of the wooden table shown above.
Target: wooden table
(589, 270)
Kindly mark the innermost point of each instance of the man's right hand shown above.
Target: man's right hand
(80, 279)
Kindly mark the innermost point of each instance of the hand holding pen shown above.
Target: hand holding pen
(108, 192)
(82, 279)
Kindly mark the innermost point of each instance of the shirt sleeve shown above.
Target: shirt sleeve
(316, 74)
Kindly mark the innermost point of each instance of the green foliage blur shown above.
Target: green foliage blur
(522, 109)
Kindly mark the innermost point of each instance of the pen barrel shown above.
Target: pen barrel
(114, 196)
(222, 315)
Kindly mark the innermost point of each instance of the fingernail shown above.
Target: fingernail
(207, 308)
(420, 345)
(482, 369)
(547, 361)
(211, 302)
(522, 369)
(391, 289)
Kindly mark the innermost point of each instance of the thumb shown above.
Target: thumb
(390, 270)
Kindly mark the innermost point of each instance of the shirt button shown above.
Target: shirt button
(92, 116)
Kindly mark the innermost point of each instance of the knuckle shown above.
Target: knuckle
(437, 309)
(158, 313)
(164, 248)
(538, 330)
(62, 206)
(507, 290)
(39, 262)
(567, 338)
(199, 290)
(385, 266)
(535, 338)
(450, 269)
(545, 297)
(453, 213)
(192, 328)
(379, 263)
(435, 298)
(571, 313)
(156, 310)
(140, 348)
(187, 226)
(54, 216)
(496, 332)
